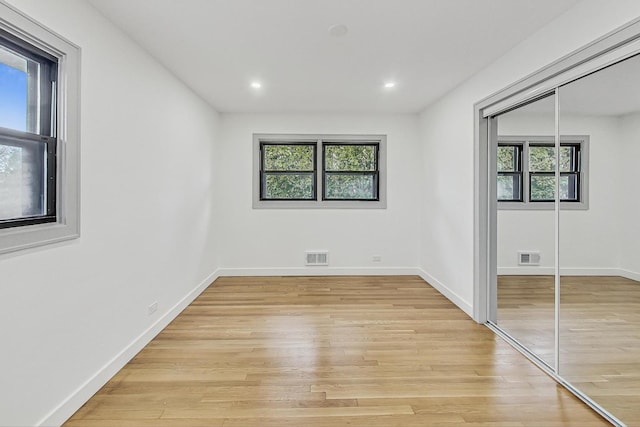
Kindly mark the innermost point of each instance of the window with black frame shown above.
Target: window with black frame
(542, 164)
(526, 166)
(510, 173)
(319, 171)
(350, 171)
(288, 171)
(28, 144)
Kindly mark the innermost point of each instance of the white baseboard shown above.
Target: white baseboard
(320, 271)
(526, 271)
(550, 271)
(78, 398)
(447, 292)
(630, 275)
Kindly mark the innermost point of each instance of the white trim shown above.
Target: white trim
(526, 271)
(82, 394)
(319, 271)
(571, 271)
(447, 292)
(629, 275)
(613, 39)
(573, 73)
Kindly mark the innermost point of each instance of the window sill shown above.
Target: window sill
(32, 236)
(324, 204)
(542, 206)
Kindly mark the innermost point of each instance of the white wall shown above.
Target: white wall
(272, 241)
(448, 135)
(446, 226)
(589, 240)
(148, 226)
(629, 234)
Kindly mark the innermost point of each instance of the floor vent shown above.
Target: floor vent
(528, 258)
(316, 258)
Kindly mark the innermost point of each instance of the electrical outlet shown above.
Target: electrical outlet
(153, 308)
(377, 258)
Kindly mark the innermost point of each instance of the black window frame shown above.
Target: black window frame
(375, 173)
(264, 172)
(576, 169)
(518, 171)
(40, 132)
(378, 202)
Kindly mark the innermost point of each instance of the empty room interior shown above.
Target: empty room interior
(319, 212)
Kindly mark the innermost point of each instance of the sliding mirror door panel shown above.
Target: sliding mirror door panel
(599, 257)
(526, 226)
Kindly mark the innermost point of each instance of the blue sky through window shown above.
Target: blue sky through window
(13, 98)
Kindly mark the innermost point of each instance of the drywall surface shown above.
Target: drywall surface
(147, 225)
(588, 238)
(273, 241)
(447, 126)
(629, 230)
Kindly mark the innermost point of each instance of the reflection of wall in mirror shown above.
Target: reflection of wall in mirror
(597, 240)
(630, 186)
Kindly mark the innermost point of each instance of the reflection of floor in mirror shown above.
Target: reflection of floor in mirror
(526, 312)
(599, 333)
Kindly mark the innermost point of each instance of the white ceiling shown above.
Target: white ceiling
(428, 47)
(614, 91)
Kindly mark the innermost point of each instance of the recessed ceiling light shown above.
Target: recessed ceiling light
(338, 30)
(256, 85)
(389, 85)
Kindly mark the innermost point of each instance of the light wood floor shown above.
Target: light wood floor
(599, 333)
(338, 351)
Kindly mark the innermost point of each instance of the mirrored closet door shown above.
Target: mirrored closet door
(600, 237)
(526, 235)
(564, 204)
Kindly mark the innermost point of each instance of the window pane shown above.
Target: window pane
(569, 187)
(350, 187)
(543, 187)
(508, 159)
(295, 157)
(350, 157)
(22, 181)
(288, 186)
(567, 156)
(509, 187)
(13, 91)
(542, 159)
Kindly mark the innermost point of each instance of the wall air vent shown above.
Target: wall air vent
(316, 258)
(528, 258)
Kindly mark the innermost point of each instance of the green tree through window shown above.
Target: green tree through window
(535, 160)
(333, 170)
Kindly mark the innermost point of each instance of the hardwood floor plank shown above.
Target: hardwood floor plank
(329, 351)
(599, 333)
